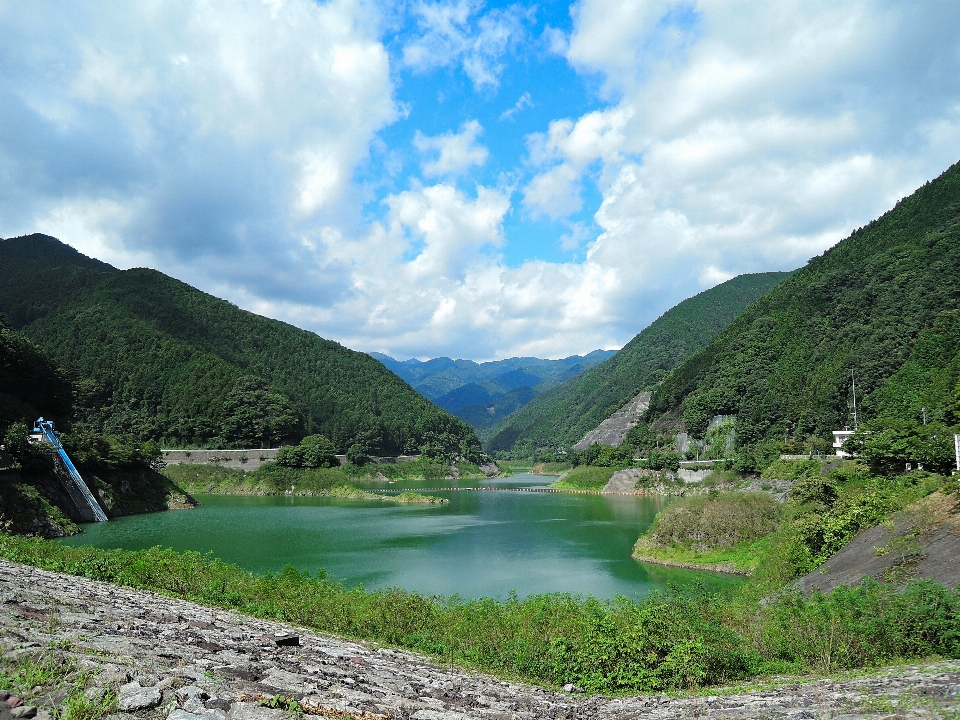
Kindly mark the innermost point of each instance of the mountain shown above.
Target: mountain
(482, 394)
(562, 415)
(157, 359)
(881, 304)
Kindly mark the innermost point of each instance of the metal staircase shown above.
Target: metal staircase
(88, 506)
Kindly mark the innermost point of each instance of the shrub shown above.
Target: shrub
(715, 521)
(314, 451)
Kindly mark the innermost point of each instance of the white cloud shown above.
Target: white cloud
(457, 32)
(522, 102)
(746, 136)
(456, 152)
(221, 142)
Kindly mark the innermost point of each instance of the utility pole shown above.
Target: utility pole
(853, 381)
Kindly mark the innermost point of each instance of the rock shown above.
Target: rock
(252, 711)
(4, 695)
(437, 715)
(193, 705)
(219, 653)
(285, 639)
(14, 701)
(178, 714)
(43, 715)
(94, 694)
(146, 679)
(192, 691)
(23, 711)
(112, 675)
(134, 697)
(571, 688)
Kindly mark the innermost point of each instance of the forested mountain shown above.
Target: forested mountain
(881, 304)
(154, 358)
(30, 384)
(561, 416)
(483, 394)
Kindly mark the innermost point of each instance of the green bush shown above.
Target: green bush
(314, 451)
(715, 521)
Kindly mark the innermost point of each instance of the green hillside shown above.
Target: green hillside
(880, 304)
(157, 359)
(562, 415)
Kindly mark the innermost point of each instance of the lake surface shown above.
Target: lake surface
(483, 543)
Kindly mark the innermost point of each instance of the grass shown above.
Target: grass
(741, 559)
(551, 468)
(35, 675)
(272, 479)
(585, 477)
(665, 642)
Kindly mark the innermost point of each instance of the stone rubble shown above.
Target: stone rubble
(172, 659)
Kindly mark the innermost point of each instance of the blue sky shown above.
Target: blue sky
(468, 178)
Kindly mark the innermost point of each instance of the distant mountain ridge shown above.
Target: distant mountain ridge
(157, 359)
(563, 415)
(482, 394)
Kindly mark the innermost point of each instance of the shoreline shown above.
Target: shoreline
(721, 568)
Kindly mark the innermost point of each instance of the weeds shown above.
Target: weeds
(78, 706)
(665, 642)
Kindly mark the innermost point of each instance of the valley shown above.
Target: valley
(699, 529)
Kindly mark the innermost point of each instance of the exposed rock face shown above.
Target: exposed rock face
(614, 429)
(189, 662)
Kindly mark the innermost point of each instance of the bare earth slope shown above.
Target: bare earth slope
(923, 541)
(613, 431)
(178, 660)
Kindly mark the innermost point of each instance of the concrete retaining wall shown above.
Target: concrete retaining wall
(250, 459)
(239, 459)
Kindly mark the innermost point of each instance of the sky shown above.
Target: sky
(473, 179)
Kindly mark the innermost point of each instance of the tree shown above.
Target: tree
(254, 414)
(887, 446)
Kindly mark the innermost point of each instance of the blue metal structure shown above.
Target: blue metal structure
(45, 428)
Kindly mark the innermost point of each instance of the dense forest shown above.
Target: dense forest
(561, 416)
(881, 306)
(155, 359)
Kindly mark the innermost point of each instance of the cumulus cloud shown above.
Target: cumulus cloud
(455, 32)
(215, 129)
(746, 136)
(222, 143)
(455, 152)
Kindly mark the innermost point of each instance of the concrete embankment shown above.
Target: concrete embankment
(167, 658)
(251, 459)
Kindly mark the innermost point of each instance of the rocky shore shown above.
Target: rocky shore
(154, 657)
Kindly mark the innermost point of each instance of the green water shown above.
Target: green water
(483, 543)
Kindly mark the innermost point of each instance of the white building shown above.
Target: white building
(839, 438)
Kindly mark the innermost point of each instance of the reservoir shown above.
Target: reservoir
(483, 543)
